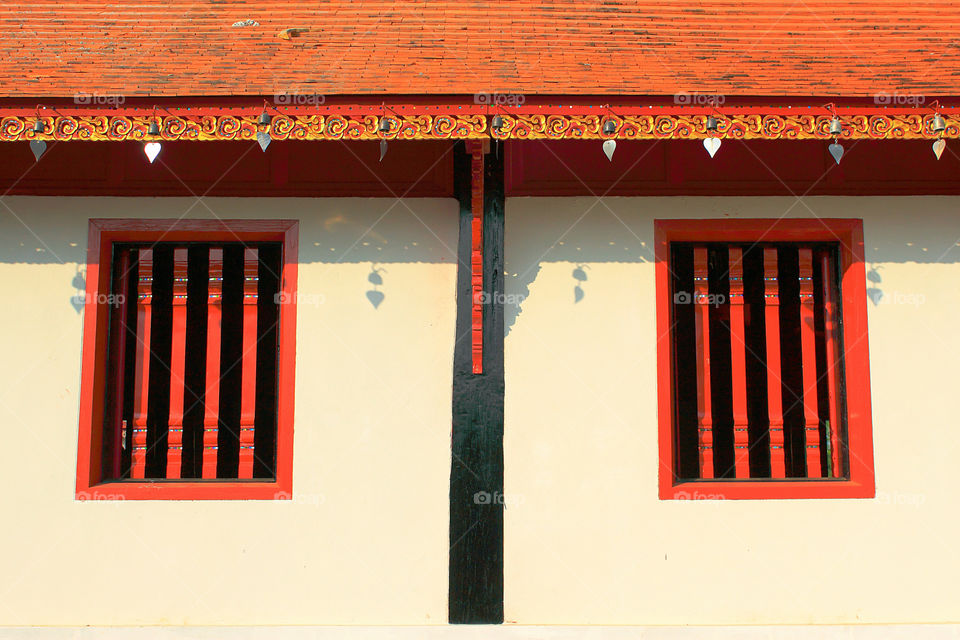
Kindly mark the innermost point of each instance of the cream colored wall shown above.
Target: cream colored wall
(587, 541)
(586, 538)
(363, 541)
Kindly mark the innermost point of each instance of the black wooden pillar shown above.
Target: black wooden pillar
(476, 472)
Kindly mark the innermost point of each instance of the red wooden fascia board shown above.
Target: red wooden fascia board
(433, 105)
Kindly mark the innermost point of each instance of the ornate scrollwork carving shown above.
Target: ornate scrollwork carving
(230, 127)
(459, 126)
(746, 127)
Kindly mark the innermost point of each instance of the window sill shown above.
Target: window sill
(180, 490)
(767, 490)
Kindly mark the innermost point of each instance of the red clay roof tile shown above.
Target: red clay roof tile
(747, 47)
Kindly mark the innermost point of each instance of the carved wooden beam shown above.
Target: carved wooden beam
(459, 123)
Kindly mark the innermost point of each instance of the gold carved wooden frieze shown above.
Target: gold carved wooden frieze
(471, 126)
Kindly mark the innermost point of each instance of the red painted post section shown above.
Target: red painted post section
(831, 339)
(141, 389)
(771, 301)
(211, 414)
(476, 253)
(178, 359)
(119, 347)
(701, 297)
(248, 385)
(811, 417)
(738, 366)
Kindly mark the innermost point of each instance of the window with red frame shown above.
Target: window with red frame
(189, 363)
(760, 365)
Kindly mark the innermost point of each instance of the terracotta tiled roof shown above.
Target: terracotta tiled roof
(743, 47)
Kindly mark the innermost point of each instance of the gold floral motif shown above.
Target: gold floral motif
(747, 127)
(456, 126)
(228, 127)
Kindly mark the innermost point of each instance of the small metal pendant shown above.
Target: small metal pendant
(938, 148)
(836, 150)
(39, 147)
(609, 146)
(711, 145)
(151, 149)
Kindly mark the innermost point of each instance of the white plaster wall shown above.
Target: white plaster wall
(586, 539)
(363, 541)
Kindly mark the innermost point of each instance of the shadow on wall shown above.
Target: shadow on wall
(580, 231)
(53, 230)
(583, 231)
(380, 232)
(79, 284)
(874, 292)
(580, 276)
(375, 231)
(375, 296)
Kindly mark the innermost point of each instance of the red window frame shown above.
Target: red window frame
(849, 234)
(93, 387)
